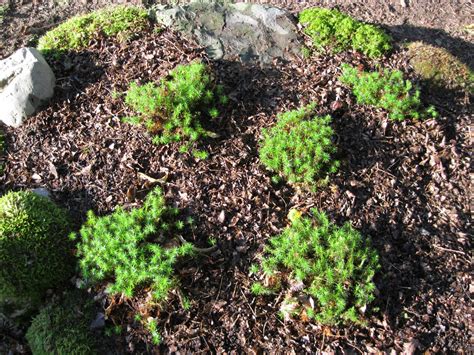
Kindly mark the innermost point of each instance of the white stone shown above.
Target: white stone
(26, 82)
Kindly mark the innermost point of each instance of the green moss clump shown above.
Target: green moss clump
(332, 265)
(172, 111)
(387, 90)
(127, 247)
(333, 29)
(77, 32)
(300, 148)
(35, 252)
(439, 67)
(64, 328)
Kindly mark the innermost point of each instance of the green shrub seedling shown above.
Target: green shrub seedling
(331, 266)
(172, 110)
(300, 148)
(126, 247)
(387, 90)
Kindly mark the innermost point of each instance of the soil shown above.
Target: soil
(405, 185)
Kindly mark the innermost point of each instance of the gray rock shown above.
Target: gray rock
(41, 191)
(26, 82)
(249, 32)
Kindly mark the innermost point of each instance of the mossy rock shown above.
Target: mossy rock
(35, 251)
(439, 67)
(64, 327)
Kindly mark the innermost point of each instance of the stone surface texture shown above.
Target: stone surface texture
(26, 82)
(249, 32)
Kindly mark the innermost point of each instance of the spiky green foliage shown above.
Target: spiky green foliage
(171, 111)
(338, 31)
(77, 32)
(299, 147)
(35, 252)
(127, 247)
(63, 327)
(387, 90)
(334, 265)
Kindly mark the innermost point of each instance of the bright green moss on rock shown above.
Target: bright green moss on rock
(319, 261)
(439, 67)
(77, 32)
(299, 148)
(64, 328)
(35, 252)
(337, 31)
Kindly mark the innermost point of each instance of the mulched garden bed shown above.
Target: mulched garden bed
(406, 185)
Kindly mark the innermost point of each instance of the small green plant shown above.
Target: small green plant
(305, 52)
(387, 90)
(77, 32)
(172, 110)
(35, 252)
(333, 267)
(300, 148)
(333, 29)
(259, 290)
(152, 326)
(64, 327)
(127, 246)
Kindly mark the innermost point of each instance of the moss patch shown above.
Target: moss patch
(77, 32)
(64, 328)
(338, 31)
(35, 252)
(438, 66)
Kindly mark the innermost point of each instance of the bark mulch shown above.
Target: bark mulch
(406, 185)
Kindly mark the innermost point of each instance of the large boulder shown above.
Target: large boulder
(249, 32)
(26, 82)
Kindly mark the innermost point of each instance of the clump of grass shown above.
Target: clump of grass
(300, 148)
(330, 267)
(77, 32)
(338, 31)
(127, 247)
(387, 90)
(172, 110)
(439, 67)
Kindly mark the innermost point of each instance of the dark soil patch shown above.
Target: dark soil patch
(406, 185)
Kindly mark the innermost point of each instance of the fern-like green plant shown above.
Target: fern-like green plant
(127, 247)
(77, 32)
(338, 31)
(387, 90)
(172, 110)
(300, 148)
(332, 265)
